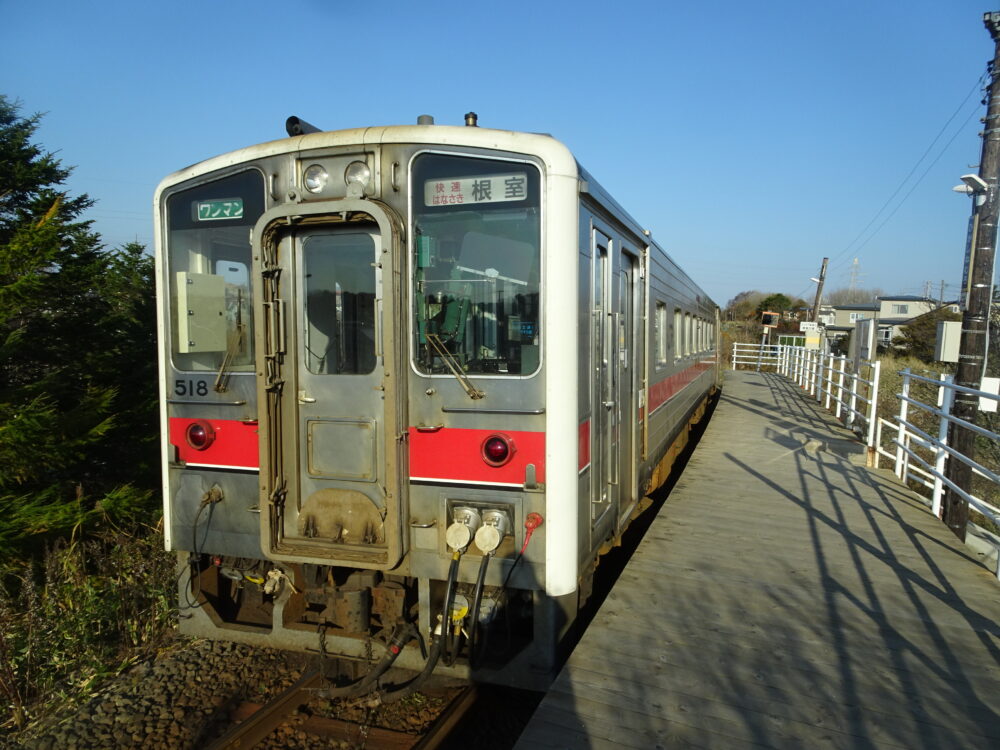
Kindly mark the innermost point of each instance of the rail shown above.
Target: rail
(254, 722)
(915, 443)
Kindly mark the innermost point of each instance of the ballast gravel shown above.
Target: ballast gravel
(182, 699)
(177, 700)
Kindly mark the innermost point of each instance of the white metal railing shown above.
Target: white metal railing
(849, 390)
(914, 444)
(756, 356)
(845, 387)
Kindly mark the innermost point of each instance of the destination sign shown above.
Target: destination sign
(498, 188)
(231, 208)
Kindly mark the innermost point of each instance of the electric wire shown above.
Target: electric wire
(192, 596)
(851, 245)
(977, 86)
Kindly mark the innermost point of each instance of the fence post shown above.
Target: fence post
(840, 387)
(873, 416)
(820, 372)
(901, 437)
(814, 381)
(828, 381)
(946, 397)
(853, 407)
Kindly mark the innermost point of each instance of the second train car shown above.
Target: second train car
(414, 381)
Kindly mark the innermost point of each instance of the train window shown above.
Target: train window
(678, 333)
(476, 265)
(660, 322)
(208, 252)
(688, 334)
(340, 303)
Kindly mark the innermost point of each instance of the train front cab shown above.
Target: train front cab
(360, 374)
(391, 375)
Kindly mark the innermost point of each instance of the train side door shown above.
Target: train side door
(604, 449)
(614, 384)
(626, 364)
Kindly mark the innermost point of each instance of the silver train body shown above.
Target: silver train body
(385, 350)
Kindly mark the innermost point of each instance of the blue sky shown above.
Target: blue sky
(752, 139)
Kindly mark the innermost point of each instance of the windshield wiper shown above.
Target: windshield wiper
(456, 370)
(234, 345)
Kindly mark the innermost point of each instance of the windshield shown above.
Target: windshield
(208, 252)
(476, 265)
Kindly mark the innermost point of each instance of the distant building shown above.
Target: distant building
(845, 316)
(893, 314)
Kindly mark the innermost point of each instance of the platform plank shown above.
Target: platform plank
(785, 597)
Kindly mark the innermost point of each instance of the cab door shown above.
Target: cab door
(334, 458)
(339, 389)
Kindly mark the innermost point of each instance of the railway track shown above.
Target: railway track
(254, 723)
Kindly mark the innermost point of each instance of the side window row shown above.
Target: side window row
(692, 334)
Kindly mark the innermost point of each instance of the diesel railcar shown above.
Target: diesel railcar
(415, 380)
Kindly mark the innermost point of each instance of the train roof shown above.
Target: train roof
(558, 159)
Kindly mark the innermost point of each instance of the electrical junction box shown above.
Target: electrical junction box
(201, 313)
(989, 385)
(949, 334)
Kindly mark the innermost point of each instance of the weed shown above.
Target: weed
(78, 614)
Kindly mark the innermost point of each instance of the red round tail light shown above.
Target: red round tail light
(200, 435)
(497, 450)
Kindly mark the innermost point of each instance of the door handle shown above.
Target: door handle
(304, 398)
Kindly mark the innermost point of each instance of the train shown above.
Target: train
(415, 381)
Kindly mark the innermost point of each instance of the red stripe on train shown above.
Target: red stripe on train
(583, 450)
(450, 454)
(235, 445)
(666, 389)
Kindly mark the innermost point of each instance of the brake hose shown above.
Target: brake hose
(408, 688)
(477, 599)
(402, 635)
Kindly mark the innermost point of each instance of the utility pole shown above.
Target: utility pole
(975, 319)
(819, 290)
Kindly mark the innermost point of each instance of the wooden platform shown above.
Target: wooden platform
(785, 597)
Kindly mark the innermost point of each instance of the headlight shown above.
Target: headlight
(314, 179)
(357, 173)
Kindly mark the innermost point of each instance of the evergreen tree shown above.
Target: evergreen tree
(77, 358)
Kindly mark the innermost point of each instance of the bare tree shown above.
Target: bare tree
(848, 296)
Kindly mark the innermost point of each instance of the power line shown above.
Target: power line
(979, 83)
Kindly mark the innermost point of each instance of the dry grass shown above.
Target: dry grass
(83, 611)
